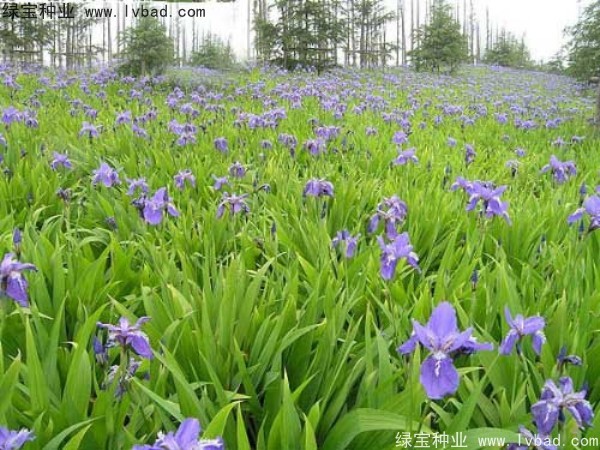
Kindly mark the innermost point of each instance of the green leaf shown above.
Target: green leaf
(362, 421)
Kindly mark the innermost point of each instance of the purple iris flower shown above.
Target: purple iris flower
(452, 142)
(175, 127)
(30, 119)
(328, 132)
(237, 170)
(137, 184)
(10, 82)
(405, 157)
(139, 131)
(344, 237)
(187, 437)
(100, 351)
(563, 359)
(484, 192)
(400, 138)
(520, 152)
(315, 146)
(469, 154)
(12, 282)
(235, 203)
(60, 159)
(591, 207)
(532, 441)
(155, 207)
(127, 336)
(289, 141)
(90, 112)
(371, 131)
(186, 138)
(444, 340)
(123, 378)
(490, 199)
(221, 144)
(462, 183)
(11, 115)
(318, 188)
(105, 175)
(64, 194)
(182, 177)
(555, 400)
(89, 130)
(521, 327)
(560, 170)
(124, 117)
(17, 237)
(399, 248)
(392, 211)
(220, 182)
(186, 108)
(14, 440)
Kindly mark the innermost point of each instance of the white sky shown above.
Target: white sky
(542, 21)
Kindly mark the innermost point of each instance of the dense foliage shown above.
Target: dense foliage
(250, 261)
(508, 51)
(213, 53)
(146, 48)
(584, 46)
(440, 43)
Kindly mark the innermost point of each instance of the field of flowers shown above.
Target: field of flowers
(297, 262)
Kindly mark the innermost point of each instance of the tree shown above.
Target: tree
(213, 53)
(306, 33)
(555, 64)
(584, 46)
(440, 43)
(146, 47)
(21, 38)
(508, 51)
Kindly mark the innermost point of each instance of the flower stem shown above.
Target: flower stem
(426, 411)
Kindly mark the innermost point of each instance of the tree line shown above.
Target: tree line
(426, 34)
(291, 33)
(365, 33)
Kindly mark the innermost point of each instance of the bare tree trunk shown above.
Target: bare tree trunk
(353, 36)
(403, 26)
(478, 33)
(41, 46)
(249, 25)
(56, 42)
(109, 38)
(398, 32)
(412, 24)
(68, 45)
(89, 50)
(184, 56)
(472, 31)
(118, 27)
(488, 31)
(178, 41)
